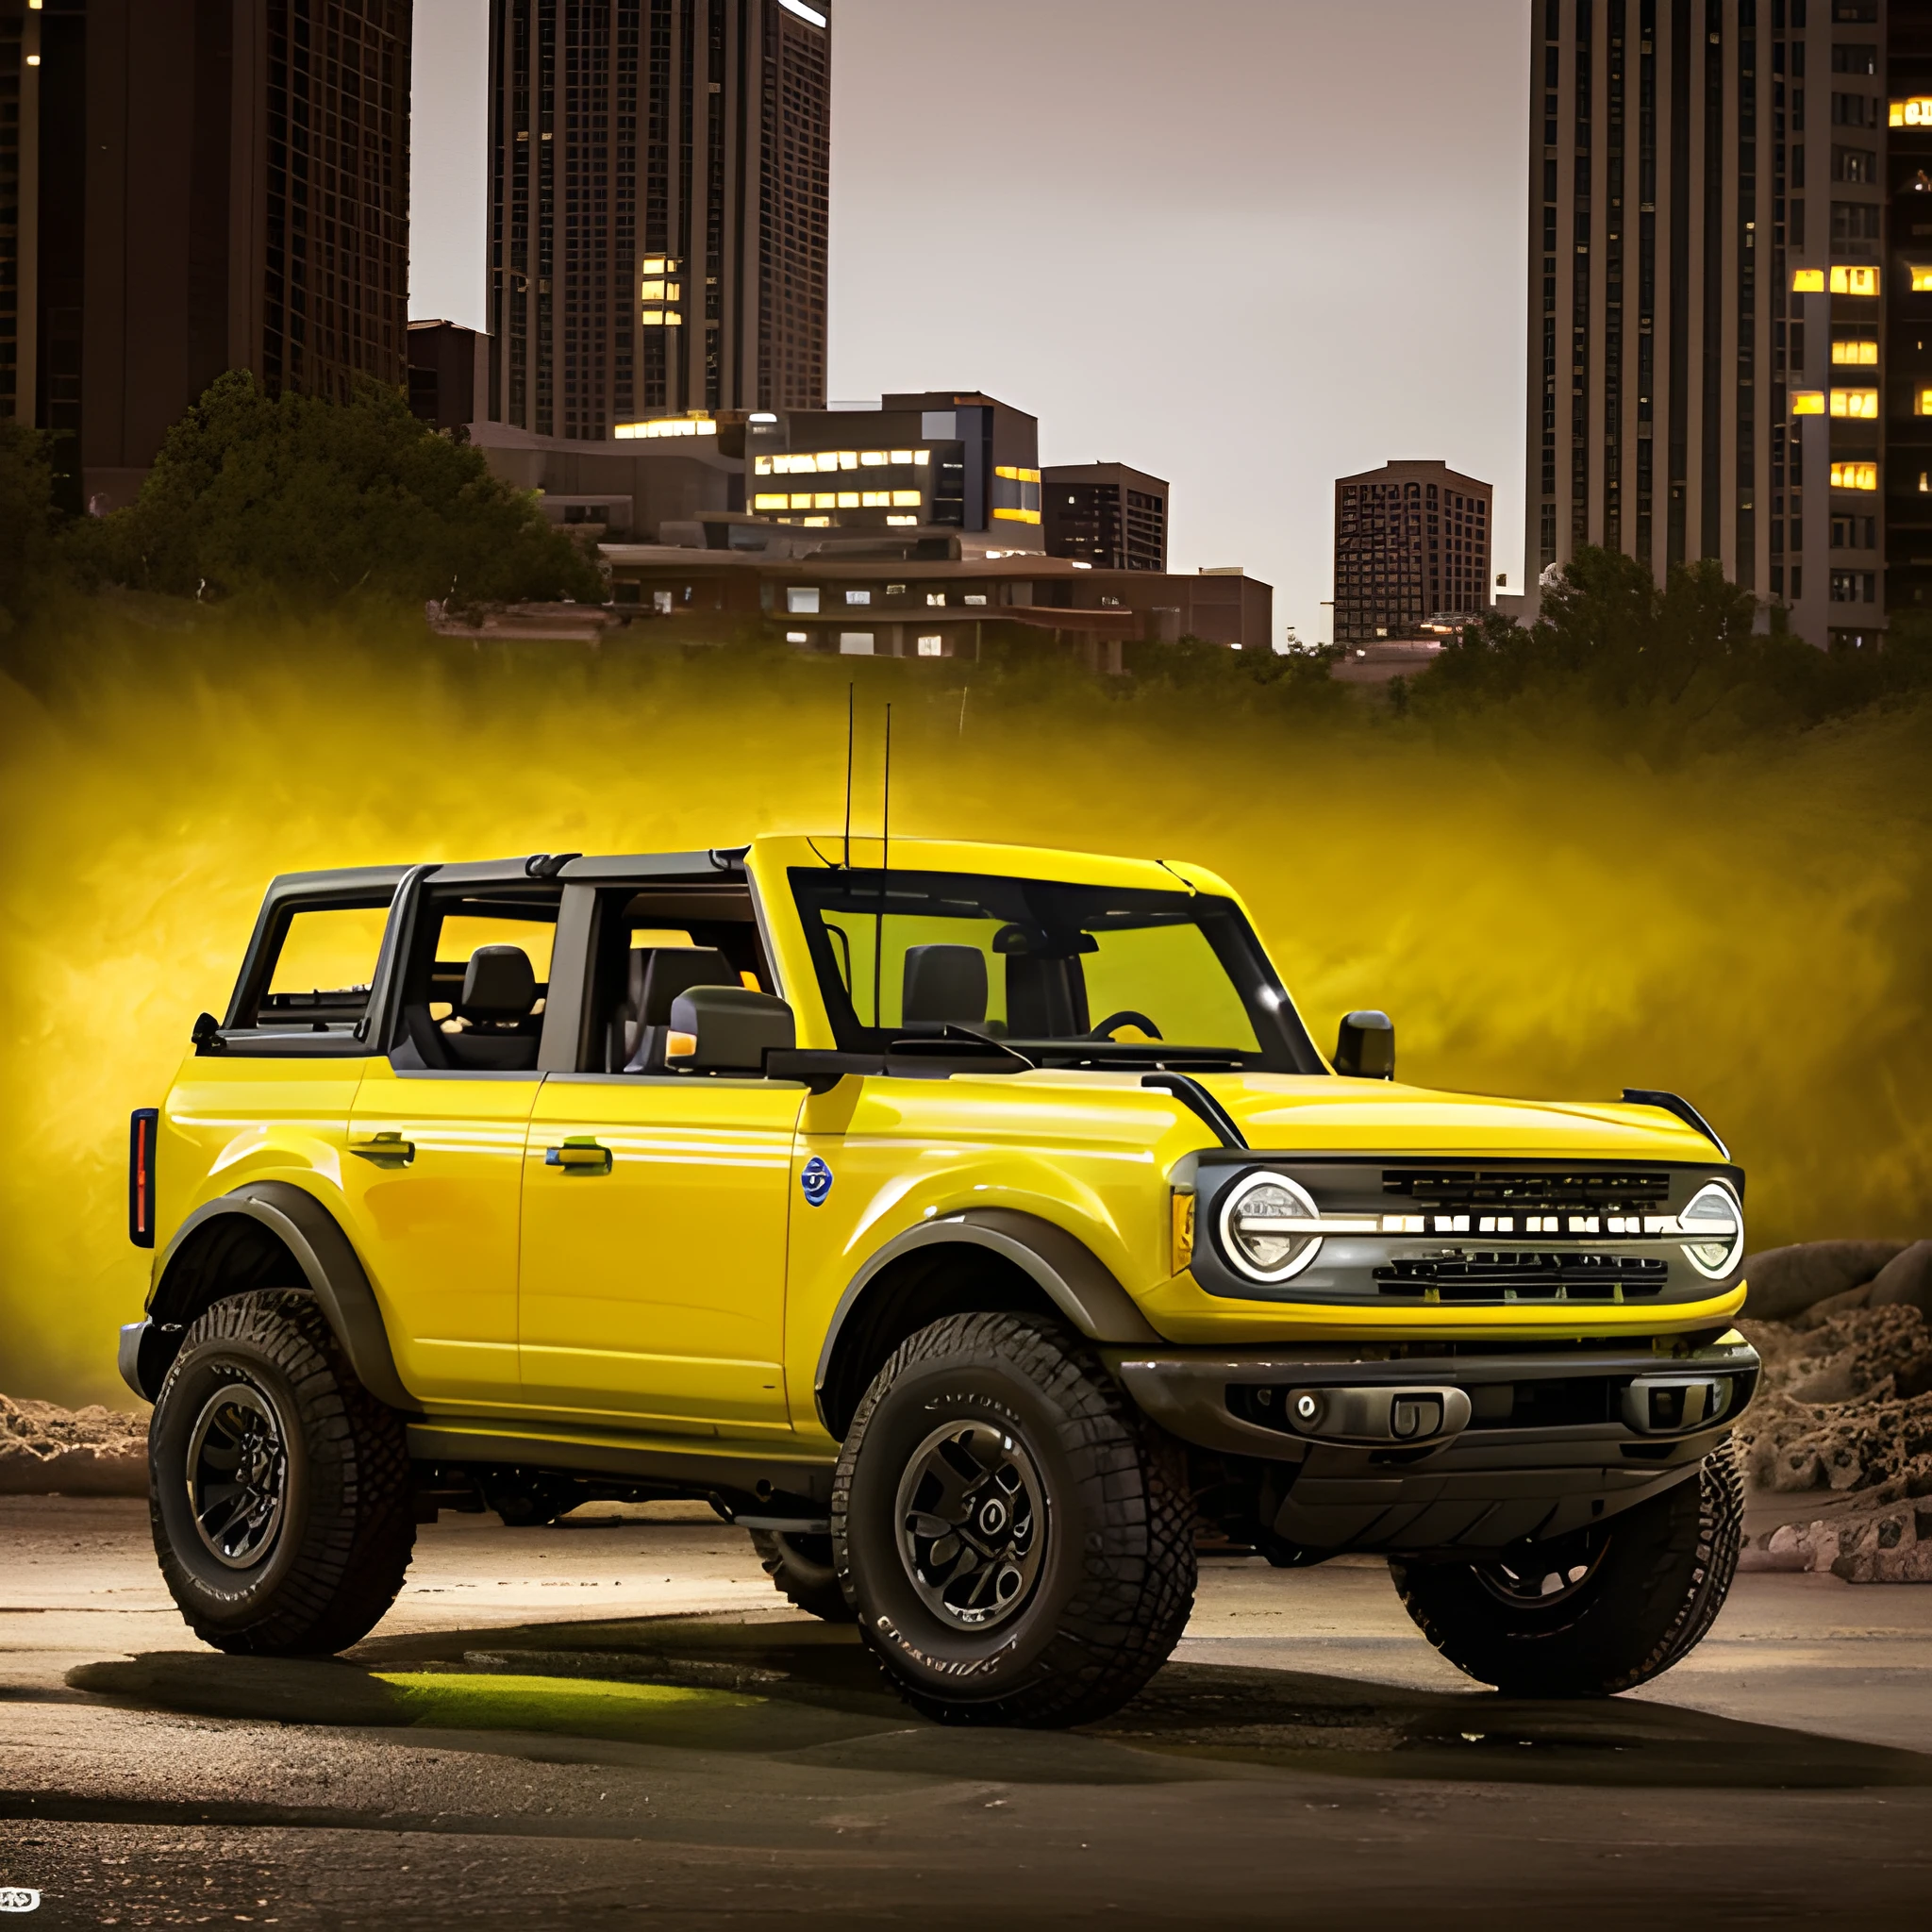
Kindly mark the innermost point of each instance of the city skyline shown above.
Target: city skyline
(1303, 310)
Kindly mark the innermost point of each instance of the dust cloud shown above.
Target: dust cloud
(1546, 906)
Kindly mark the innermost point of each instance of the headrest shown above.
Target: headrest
(498, 984)
(674, 969)
(947, 984)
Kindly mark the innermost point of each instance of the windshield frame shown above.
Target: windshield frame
(1283, 1042)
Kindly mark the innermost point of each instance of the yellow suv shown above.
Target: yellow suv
(971, 1224)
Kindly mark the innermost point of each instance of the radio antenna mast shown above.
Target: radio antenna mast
(849, 701)
(878, 924)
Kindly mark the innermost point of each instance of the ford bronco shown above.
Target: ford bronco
(974, 1229)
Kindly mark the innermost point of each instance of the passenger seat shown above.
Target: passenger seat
(499, 991)
(654, 976)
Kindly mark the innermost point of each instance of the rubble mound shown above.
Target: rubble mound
(1837, 1447)
(46, 1450)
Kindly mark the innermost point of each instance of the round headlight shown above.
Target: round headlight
(1714, 1204)
(1263, 1227)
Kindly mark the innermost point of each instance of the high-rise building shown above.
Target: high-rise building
(1730, 201)
(1411, 545)
(1107, 515)
(203, 185)
(658, 196)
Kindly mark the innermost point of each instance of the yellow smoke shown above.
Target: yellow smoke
(1542, 908)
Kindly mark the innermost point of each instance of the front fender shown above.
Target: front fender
(331, 1271)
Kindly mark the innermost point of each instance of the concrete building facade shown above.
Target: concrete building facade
(1411, 547)
(658, 210)
(202, 185)
(1107, 514)
(1729, 278)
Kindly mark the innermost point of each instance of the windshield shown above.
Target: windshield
(1065, 973)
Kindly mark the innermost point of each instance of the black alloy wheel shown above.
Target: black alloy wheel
(1016, 1538)
(237, 1474)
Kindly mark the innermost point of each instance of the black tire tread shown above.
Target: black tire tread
(360, 1535)
(1138, 1585)
(805, 1585)
(1694, 1564)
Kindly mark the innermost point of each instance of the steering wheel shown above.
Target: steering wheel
(1124, 1017)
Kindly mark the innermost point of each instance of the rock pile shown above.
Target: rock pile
(1838, 1448)
(46, 1450)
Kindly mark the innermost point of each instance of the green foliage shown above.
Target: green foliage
(1611, 638)
(297, 500)
(28, 564)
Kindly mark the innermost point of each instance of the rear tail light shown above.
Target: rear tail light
(142, 1126)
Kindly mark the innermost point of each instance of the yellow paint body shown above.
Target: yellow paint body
(688, 1291)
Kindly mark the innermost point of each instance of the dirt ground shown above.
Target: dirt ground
(1305, 1761)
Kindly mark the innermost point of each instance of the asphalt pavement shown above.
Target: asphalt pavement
(619, 1724)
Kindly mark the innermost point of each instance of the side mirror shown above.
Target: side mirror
(717, 1029)
(1365, 1047)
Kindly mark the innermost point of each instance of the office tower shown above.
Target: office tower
(1411, 544)
(203, 185)
(1107, 515)
(938, 461)
(658, 210)
(1724, 300)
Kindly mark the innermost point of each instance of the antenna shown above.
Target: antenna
(849, 702)
(878, 922)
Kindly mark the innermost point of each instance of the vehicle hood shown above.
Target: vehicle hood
(1330, 1114)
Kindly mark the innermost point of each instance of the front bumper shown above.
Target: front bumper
(1420, 1452)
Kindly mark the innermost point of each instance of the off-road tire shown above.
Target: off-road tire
(1113, 1576)
(802, 1570)
(335, 1560)
(1658, 1581)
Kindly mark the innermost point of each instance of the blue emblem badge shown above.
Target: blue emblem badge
(816, 1179)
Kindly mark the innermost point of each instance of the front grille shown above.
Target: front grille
(1607, 1191)
(1503, 1275)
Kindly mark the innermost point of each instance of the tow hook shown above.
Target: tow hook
(1672, 1404)
(1377, 1415)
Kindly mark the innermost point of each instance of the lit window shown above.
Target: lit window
(1864, 354)
(1922, 403)
(769, 501)
(651, 291)
(859, 596)
(1807, 401)
(1916, 112)
(920, 457)
(818, 522)
(904, 499)
(665, 426)
(872, 458)
(973, 597)
(1850, 280)
(761, 466)
(1855, 475)
(801, 499)
(900, 456)
(848, 459)
(1807, 281)
(855, 643)
(1922, 279)
(931, 647)
(825, 499)
(902, 519)
(874, 499)
(1855, 402)
(801, 600)
(658, 264)
(1016, 516)
(798, 637)
(937, 599)
(1013, 475)
(848, 499)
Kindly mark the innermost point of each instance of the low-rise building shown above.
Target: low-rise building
(1106, 514)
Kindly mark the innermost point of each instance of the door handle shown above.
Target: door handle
(385, 1150)
(578, 1154)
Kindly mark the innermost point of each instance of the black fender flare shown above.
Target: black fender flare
(331, 1271)
(1062, 1265)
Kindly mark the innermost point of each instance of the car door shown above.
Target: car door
(432, 1178)
(655, 1212)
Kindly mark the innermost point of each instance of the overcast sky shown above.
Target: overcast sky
(1250, 245)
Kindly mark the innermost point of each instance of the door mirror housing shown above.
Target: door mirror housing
(1365, 1047)
(720, 1029)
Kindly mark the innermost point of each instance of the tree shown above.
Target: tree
(314, 502)
(29, 565)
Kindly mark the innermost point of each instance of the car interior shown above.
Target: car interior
(474, 986)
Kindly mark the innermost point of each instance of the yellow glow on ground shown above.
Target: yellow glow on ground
(596, 1706)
